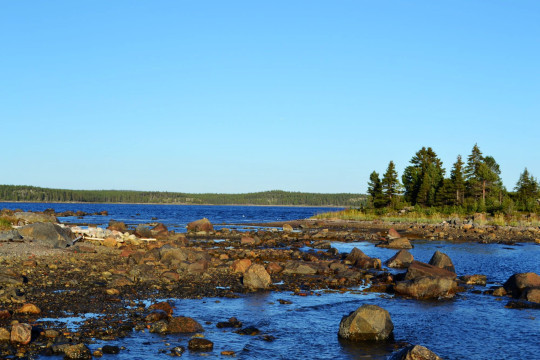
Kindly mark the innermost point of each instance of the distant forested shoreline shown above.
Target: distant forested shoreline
(23, 193)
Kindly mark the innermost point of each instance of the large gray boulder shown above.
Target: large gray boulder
(10, 235)
(367, 323)
(48, 234)
(31, 217)
(414, 352)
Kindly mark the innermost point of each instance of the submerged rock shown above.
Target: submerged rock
(368, 322)
(200, 344)
(476, 279)
(77, 352)
(414, 352)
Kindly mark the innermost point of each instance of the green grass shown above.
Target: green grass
(5, 224)
(430, 217)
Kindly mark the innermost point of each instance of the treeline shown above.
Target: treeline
(276, 197)
(472, 186)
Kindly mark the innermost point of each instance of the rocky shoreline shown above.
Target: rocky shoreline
(41, 277)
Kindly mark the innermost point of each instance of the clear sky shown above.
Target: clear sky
(241, 96)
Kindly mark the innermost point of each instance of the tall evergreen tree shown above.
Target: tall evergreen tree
(458, 181)
(527, 191)
(482, 175)
(423, 178)
(375, 191)
(390, 183)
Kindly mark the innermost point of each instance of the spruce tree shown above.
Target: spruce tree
(527, 191)
(423, 178)
(458, 181)
(390, 183)
(375, 191)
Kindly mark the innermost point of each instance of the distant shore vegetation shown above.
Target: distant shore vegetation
(19, 193)
(424, 193)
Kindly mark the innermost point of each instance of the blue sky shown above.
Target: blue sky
(241, 96)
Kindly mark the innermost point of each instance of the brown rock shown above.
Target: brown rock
(156, 315)
(21, 333)
(415, 352)
(368, 322)
(393, 234)
(443, 261)
(256, 277)
(4, 314)
(399, 243)
(419, 269)
(248, 240)
(474, 279)
(112, 292)
(274, 268)
(164, 306)
(77, 352)
(402, 259)
(29, 309)
(355, 256)
(5, 335)
(499, 291)
(183, 324)
(160, 231)
(287, 228)
(110, 242)
(517, 283)
(117, 225)
(241, 265)
(299, 268)
(200, 225)
(427, 287)
(532, 295)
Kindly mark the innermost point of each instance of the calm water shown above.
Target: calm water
(471, 326)
(175, 217)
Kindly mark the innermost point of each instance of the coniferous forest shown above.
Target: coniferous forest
(473, 185)
(276, 197)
